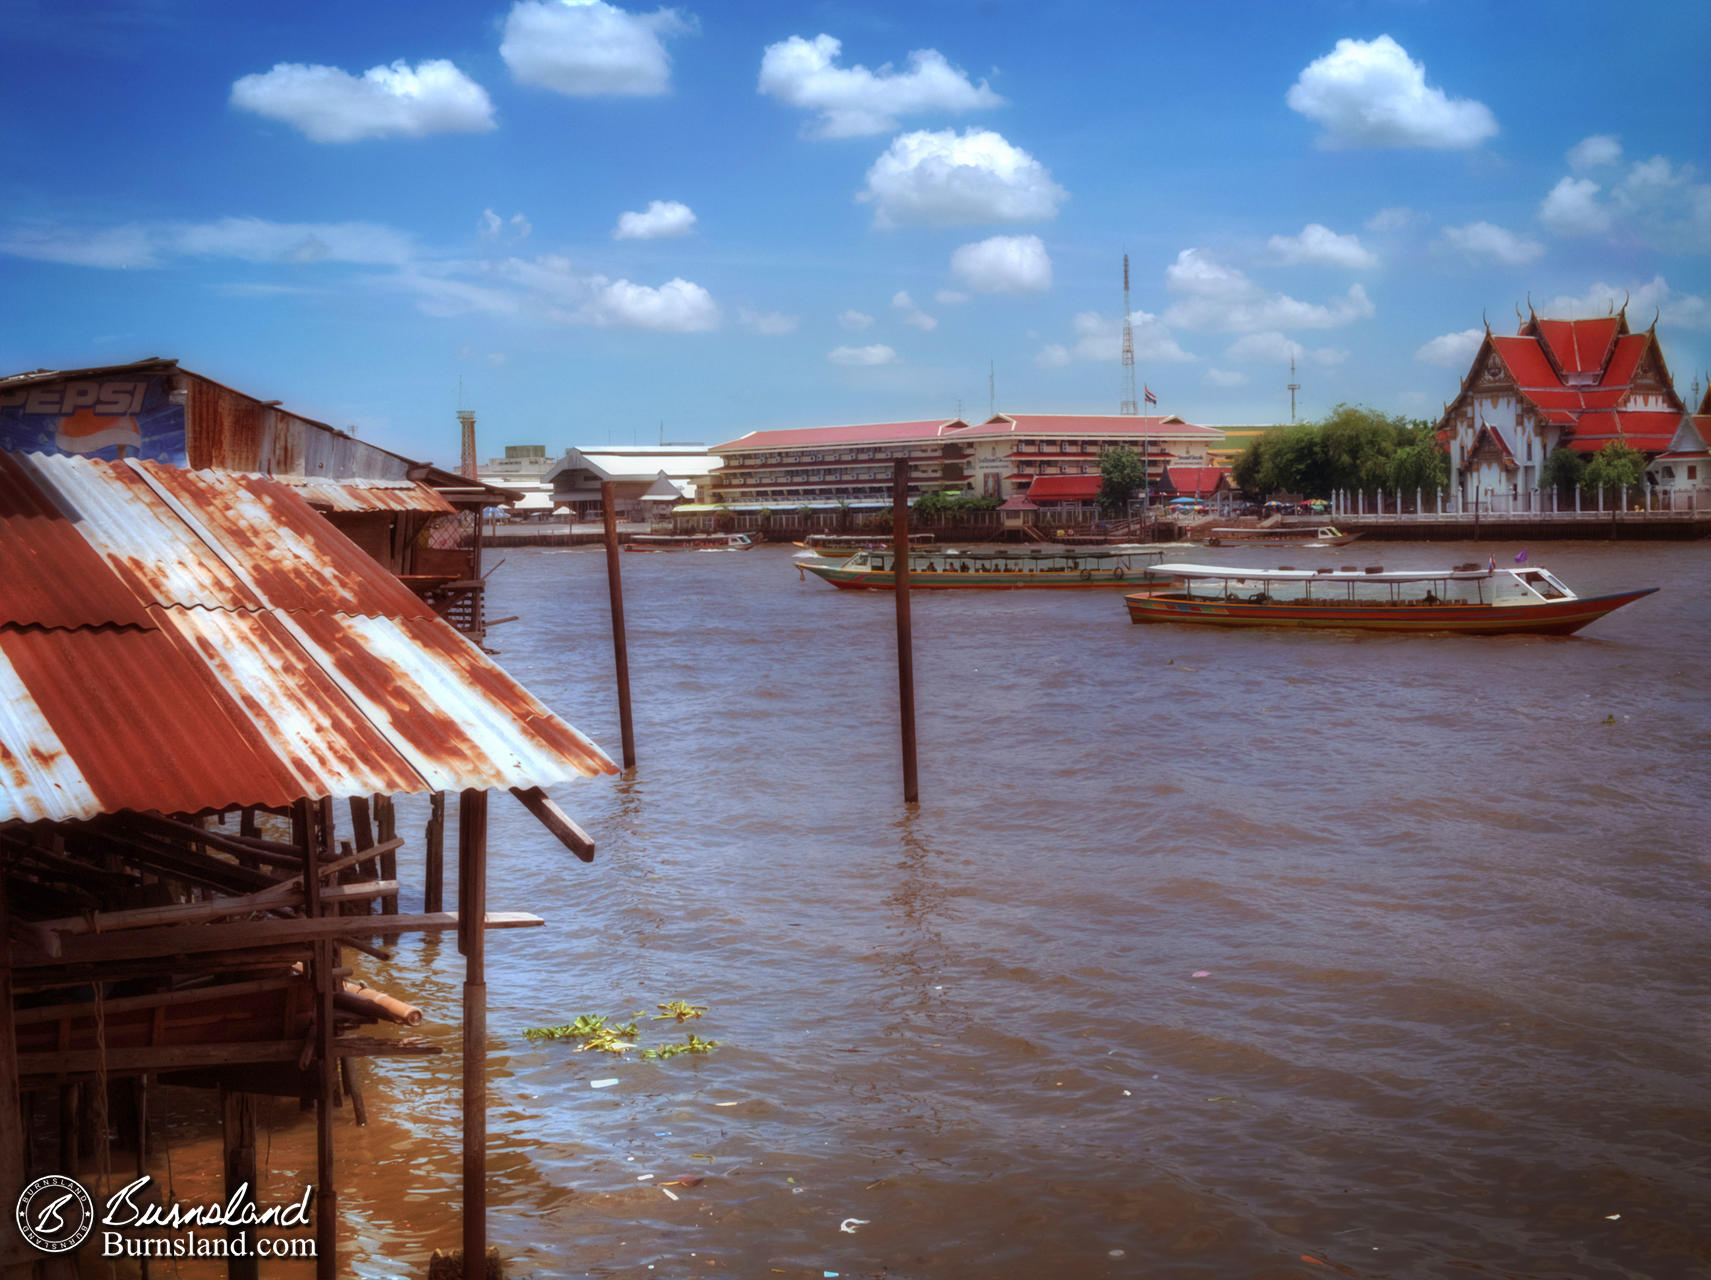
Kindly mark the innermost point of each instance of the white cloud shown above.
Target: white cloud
(1484, 240)
(947, 179)
(111, 247)
(331, 105)
(771, 323)
(1573, 209)
(1004, 264)
(493, 227)
(912, 314)
(1370, 93)
(862, 357)
(1593, 152)
(950, 297)
(1452, 350)
(853, 101)
(1321, 246)
(1225, 378)
(677, 306)
(662, 219)
(1099, 340)
(1276, 349)
(1680, 310)
(590, 49)
(1215, 297)
(1396, 218)
(258, 240)
(1666, 205)
(855, 321)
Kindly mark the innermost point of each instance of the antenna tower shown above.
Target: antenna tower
(466, 419)
(1129, 405)
(1294, 386)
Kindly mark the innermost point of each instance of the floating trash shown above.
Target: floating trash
(848, 1225)
(603, 1084)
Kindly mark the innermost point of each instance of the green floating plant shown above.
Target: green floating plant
(594, 1032)
(693, 1045)
(681, 1010)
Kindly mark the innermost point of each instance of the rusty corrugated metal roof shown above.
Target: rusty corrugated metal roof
(367, 495)
(206, 665)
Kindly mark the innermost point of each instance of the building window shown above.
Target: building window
(1692, 472)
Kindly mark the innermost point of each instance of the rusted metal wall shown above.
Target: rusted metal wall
(230, 431)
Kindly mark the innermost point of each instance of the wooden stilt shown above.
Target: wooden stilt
(471, 909)
(238, 1140)
(615, 588)
(15, 1255)
(386, 829)
(905, 632)
(319, 821)
(434, 879)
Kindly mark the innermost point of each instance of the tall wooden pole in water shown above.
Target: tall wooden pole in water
(905, 634)
(472, 940)
(609, 507)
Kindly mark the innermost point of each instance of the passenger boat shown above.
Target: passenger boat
(841, 546)
(1470, 598)
(1007, 568)
(690, 542)
(1304, 536)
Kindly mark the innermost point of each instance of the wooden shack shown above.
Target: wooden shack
(182, 653)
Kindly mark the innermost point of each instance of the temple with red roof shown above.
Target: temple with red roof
(1576, 384)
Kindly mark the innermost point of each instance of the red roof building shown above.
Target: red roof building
(1003, 457)
(1575, 384)
(1195, 482)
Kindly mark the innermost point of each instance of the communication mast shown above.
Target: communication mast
(1129, 406)
(1294, 386)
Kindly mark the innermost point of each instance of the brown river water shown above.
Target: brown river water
(1205, 954)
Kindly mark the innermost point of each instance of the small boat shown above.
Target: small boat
(690, 542)
(1007, 568)
(841, 546)
(1324, 536)
(1470, 598)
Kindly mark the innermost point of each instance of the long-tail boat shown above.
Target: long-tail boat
(1470, 598)
(977, 569)
(689, 542)
(1324, 535)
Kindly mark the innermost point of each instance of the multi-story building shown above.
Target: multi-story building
(1000, 458)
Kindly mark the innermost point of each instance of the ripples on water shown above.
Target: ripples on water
(1447, 895)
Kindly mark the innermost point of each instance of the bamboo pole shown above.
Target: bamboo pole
(620, 651)
(905, 632)
(472, 908)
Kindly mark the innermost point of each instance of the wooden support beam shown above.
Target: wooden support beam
(62, 1063)
(555, 820)
(14, 1141)
(434, 878)
(472, 905)
(318, 849)
(238, 1144)
(620, 648)
(185, 940)
(159, 824)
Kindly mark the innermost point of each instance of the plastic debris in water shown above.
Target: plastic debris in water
(848, 1225)
(1202, 973)
(602, 1084)
(669, 1192)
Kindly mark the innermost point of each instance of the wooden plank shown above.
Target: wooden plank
(555, 820)
(152, 1058)
(316, 850)
(139, 944)
(253, 846)
(125, 1004)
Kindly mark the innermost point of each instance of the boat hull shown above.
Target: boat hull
(1553, 617)
(929, 580)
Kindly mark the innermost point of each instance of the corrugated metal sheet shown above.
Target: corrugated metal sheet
(367, 495)
(263, 693)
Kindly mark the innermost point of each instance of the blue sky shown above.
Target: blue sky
(737, 217)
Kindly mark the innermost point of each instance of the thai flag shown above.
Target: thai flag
(1493, 568)
(1150, 397)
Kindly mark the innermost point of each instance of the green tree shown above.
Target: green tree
(1422, 467)
(1563, 471)
(1357, 445)
(1122, 472)
(1614, 465)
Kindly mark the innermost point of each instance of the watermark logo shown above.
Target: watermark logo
(55, 1214)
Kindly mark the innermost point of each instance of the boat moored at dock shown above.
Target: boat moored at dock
(1324, 535)
(841, 546)
(993, 568)
(1470, 598)
(689, 542)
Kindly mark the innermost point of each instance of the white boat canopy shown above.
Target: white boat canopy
(1345, 573)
